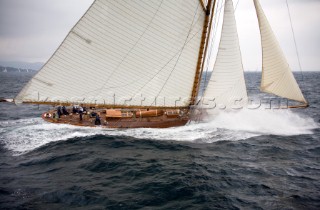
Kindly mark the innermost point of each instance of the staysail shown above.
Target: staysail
(277, 77)
(125, 53)
(226, 88)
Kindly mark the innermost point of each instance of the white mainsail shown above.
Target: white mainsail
(133, 53)
(277, 77)
(226, 88)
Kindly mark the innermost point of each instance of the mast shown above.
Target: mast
(203, 49)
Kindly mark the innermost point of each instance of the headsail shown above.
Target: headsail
(277, 77)
(226, 87)
(125, 53)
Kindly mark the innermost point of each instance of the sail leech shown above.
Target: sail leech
(277, 77)
(226, 87)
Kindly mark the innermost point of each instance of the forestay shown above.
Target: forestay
(130, 52)
(226, 88)
(277, 77)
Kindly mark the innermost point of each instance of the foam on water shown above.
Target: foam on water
(20, 136)
(271, 122)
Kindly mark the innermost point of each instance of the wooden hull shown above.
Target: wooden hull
(162, 121)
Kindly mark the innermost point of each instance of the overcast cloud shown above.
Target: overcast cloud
(31, 30)
(305, 18)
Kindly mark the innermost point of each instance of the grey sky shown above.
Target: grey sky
(306, 22)
(31, 30)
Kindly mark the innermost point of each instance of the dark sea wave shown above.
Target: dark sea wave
(262, 159)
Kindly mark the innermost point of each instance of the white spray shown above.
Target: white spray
(20, 136)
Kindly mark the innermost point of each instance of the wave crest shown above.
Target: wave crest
(21, 136)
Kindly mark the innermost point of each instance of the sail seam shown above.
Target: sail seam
(149, 24)
(185, 43)
(216, 21)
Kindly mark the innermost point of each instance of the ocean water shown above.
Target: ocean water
(251, 159)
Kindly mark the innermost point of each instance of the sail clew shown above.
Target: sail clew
(277, 77)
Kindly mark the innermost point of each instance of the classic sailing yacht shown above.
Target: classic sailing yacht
(139, 64)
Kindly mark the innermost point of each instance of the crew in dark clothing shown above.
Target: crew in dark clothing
(74, 110)
(59, 112)
(80, 110)
(93, 114)
(64, 111)
(97, 121)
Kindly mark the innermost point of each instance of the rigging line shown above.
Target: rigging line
(185, 43)
(236, 5)
(156, 73)
(123, 59)
(130, 83)
(217, 19)
(293, 34)
(213, 25)
(294, 39)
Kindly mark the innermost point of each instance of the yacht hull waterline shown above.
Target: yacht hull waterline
(131, 119)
